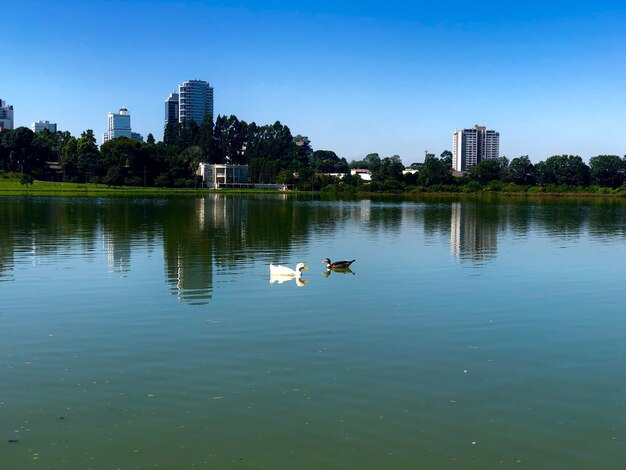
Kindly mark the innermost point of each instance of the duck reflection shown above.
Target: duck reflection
(338, 271)
(282, 279)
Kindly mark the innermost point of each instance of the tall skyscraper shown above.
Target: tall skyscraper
(472, 146)
(41, 125)
(6, 116)
(171, 109)
(195, 100)
(119, 126)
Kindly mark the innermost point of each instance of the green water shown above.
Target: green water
(146, 334)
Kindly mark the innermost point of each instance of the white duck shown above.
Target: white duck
(277, 270)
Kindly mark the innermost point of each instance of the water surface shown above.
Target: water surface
(141, 333)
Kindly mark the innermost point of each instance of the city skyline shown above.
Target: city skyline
(393, 79)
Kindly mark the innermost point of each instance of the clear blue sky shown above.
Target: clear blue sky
(355, 76)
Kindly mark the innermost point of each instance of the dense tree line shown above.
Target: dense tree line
(270, 151)
(274, 155)
(556, 173)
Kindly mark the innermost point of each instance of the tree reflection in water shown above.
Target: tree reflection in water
(224, 233)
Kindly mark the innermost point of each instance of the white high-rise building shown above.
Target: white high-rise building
(41, 125)
(472, 146)
(195, 100)
(119, 126)
(6, 115)
(492, 145)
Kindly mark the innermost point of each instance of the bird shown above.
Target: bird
(277, 270)
(338, 264)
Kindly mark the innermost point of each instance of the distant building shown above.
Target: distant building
(363, 173)
(472, 146)
(195, 100)
(6, 116)
(171, 109)
(119, 126)
(215, 176)
(41, 125)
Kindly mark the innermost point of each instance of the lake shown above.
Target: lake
(144, 333)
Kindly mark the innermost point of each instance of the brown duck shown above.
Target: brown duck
(337, 264)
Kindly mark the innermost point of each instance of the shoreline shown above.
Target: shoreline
(51, 189)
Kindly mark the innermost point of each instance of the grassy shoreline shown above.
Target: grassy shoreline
(13, 187)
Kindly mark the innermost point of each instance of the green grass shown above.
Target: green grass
(13, 187)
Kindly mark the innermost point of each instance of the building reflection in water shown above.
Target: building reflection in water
(117, 253)
(190, 278)
(7, 263)
(473, 235)
(188, 251)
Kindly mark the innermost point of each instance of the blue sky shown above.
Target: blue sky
(356, 77)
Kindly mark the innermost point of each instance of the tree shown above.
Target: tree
(446, 156)
(69, 158)
(285, 177)
(304, 143)
(18, 150)
(372, 162)
(171, 134)
(205, 140)
(113, 176)
(181, 134)
(230, 137)
(130, 157)
(563, 169)
(188, 133)
(352, 180)
(150, 139)
(489, 170)
(270, 149)
(485, 171)
(326, 161)
(88, 161)
(218, 152)
(607, 170)
(45, 148)
(434, 171)
(390, 169)
(521, 171)
(357, 164)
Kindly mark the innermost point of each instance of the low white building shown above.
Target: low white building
(41, 125)
(365, 175)
(215, 176)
